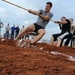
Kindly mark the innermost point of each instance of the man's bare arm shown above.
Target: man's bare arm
(74, 36)
(44, 17)
(37, 13)
(33, 12)
(60, 22)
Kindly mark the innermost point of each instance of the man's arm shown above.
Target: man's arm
(37, 13)
(60, 22)
(74, 36)
(33, 12)
(44, 17)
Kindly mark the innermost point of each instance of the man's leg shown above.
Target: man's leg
(41, 32)
(11, 35)
(58, 42)
(54, 38)
(28, 29)
(69, 36)
(8, 34)
(51, 40)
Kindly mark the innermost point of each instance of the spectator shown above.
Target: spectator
(22, 27)
(27, 36)
(17, 30)
(72, 31)
(72, 25)
(12, 31)
(7, 31)
(22, 30)
(1, 25)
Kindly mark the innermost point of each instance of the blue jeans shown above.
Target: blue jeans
(7, 34)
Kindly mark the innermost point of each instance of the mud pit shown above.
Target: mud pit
(35, 61)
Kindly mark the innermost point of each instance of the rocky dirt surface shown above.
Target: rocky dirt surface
(39, 60)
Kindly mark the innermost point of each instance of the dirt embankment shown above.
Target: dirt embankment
(35, 61)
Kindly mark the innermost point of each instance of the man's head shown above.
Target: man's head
(13, 25)
(48, 6)
(17, 25)
(63, 18)
(23, 26)
(8, 24)
(71, 20)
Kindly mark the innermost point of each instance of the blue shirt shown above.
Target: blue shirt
(12, 30)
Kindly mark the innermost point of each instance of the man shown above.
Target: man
(17, 31)
(65, 32)
(39, 27)
(7, 31)
(12, 32)
(23, 27)
(72, 31)
(72, 25)
(1, 25)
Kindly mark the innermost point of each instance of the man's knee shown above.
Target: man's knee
(44, 32)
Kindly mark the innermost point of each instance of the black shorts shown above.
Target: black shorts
(57, 35)
(37, 27)
(68, 37)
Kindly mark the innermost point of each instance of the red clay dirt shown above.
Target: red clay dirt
(35, 61)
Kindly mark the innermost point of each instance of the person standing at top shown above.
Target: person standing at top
(72, 32)
(44, 17)
(22, 30)
(72, 25)
(1, 25)
(17, 29)
(7, 31)
(27, 36)
(12, 32)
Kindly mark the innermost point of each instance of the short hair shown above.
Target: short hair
(50, 3)
(63, 17)
(71, 19)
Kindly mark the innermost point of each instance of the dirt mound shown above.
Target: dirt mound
(41, 60)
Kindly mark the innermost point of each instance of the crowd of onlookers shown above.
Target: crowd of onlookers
(12, 32)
